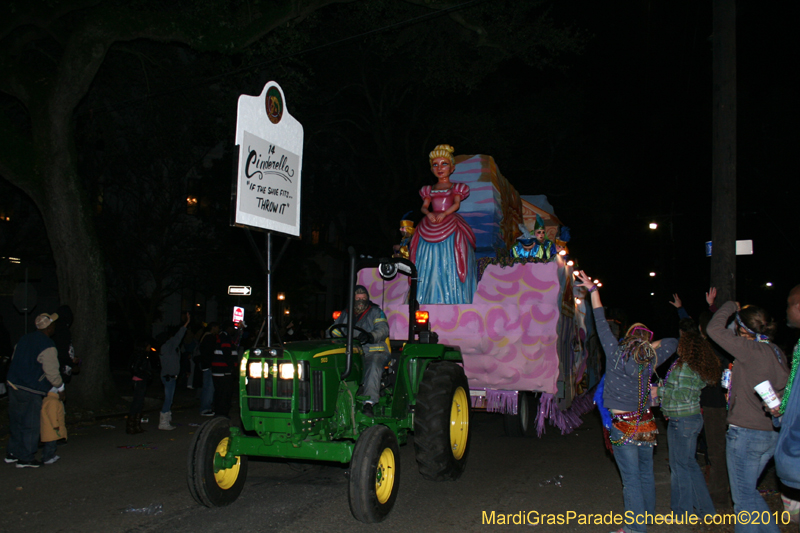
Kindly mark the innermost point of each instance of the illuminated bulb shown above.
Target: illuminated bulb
(562, 252)
(570, 262)
(578, 301)
(653, 225)
(652, 274)
(599, 284)
(769, 284)
(652, 294)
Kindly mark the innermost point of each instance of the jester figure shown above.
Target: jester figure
(407, 231)
(534, 245)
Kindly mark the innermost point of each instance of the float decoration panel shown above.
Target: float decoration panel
(508, 336)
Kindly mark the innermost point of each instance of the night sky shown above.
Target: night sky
(617, 135)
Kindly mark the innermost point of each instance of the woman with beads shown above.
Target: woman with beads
(751, 437)
(695, 367)
(443, 247)
(630, 363)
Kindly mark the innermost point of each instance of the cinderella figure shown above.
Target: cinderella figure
(443, 247)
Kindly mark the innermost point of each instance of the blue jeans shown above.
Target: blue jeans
(635, 463)
(169, 392)
(24, 412)
(207, 392)
(748, 452)
(49, 450)
(689, 490)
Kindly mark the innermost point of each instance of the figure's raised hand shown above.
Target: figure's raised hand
(711, 295)
(676, 303)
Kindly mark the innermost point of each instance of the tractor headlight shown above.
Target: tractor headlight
(286, 371)
(257, 369)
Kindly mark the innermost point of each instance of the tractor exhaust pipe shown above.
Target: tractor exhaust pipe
(349, 349)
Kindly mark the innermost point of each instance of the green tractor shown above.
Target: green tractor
(301, 401)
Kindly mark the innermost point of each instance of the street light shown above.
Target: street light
(281, 296)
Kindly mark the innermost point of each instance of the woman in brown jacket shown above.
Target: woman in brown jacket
(751, 436)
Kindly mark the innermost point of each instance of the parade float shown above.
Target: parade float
(524, 337)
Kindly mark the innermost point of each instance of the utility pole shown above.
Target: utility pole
(723, 158)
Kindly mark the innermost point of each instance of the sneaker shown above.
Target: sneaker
(29, 464)
(207, 412)
(10, 458)
(52, 460)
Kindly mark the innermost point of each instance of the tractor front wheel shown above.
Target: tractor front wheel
(211, 485)
(374, 474)
(441, 422)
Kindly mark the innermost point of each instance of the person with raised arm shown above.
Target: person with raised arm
(630, 363)
(751, 437)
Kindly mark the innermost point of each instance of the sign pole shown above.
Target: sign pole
(269, 289)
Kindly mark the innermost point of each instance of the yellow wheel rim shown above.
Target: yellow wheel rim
(384, 476)
(459, 423)
(227, 477)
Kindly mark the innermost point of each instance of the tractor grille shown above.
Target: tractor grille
(273, 394)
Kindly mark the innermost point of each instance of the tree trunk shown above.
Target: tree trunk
(78, 258)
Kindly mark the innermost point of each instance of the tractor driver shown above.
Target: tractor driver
(373, 339)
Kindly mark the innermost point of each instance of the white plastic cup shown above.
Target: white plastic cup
(765, 390)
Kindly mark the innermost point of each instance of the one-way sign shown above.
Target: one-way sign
(238, 290)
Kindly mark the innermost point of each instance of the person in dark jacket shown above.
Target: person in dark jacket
(787, 449)
(32, 374)
(223, 369)
(141, 375)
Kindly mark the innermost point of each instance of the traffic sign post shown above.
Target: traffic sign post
(239, 290)
(238, 314)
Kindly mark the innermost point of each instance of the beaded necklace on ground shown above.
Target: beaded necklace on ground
(788, 390)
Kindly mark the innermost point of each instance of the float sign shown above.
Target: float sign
(238, 314)
(266, 189)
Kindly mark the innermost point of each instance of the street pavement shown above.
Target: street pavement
(106, 481)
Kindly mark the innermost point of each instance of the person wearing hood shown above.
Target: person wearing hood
(371, 319)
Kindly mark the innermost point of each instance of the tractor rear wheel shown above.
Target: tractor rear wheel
(441, 422)
(374, 474)
(207, 485)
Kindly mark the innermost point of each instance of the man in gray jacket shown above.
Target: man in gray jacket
(370, 318)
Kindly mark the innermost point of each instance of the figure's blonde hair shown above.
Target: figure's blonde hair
(443, 150)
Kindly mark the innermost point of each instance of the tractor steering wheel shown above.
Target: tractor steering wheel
(343, 329)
